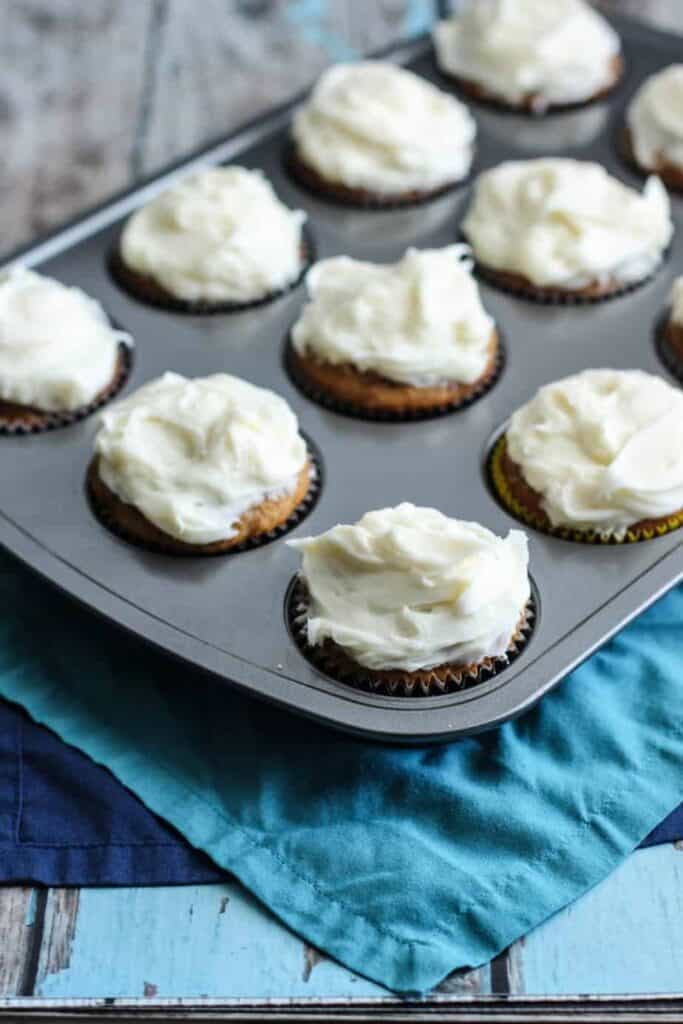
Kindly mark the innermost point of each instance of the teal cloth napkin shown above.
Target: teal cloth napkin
(402, 863)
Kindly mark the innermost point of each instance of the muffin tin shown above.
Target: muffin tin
(228, 615)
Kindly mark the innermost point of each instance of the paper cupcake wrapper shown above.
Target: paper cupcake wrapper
(559, 297)
(437, 682)
(147, 291)
(670, 175)
(303, 509)
(499, 485)
(38, 422)
(478, 94)
(671, 359)
(357, 198)
(328, 401)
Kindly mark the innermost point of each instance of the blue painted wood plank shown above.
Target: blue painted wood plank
(624, 936)
(187, 941)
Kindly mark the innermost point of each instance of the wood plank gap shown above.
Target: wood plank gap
(500, 974)
(153, 43)
(30, 971)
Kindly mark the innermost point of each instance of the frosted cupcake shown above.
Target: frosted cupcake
(565, 230)
(411, 602)
(654, 122)
(60, 357)
(216, 241)
(531, 55)
(397, 340)
(199, 466)
(596, 457)
(375, 134)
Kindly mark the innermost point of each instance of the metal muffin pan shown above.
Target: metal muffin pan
(227, 615)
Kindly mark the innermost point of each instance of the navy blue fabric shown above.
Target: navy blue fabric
(64, 820)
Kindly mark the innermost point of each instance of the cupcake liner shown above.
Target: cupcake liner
(359, 198)
(37, 422)
(301, 512)
(670, 174)
(635, 534)
(472, 91)
(439, 681)
(384, 415)
(671, 359)
(146, 290)
(555, 296)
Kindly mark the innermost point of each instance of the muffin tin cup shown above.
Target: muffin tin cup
(328, 401)
(436, 682)
(104, 515)
(146, 290)
(36, 421)
(500, 487)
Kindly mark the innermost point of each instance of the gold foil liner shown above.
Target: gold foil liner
(359, 198)
(525, 515)
(145, 289)
(439, 681)
(38, 422)
(328, 401)
(301, 512)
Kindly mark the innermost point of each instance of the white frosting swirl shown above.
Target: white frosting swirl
(221, 235)
(604, 448)
(382, 128)
(567, 222)
(677, 301)
(556, 51)
(410, 588)
(655, 118)
(419, 321)
(194, 455)
(57, 347)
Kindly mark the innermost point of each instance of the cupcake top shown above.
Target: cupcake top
(378, 127)
(419, 321)
(676, 315)
(221, 235)
(556, 51)
(410, 588)
(58, 350)
(604, 448)
(194, 455)
(655, 119)
(567, 222)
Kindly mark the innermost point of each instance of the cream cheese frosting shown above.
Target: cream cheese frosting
(567, 223)
(58, 349)
(555, 51)
(419, 321)
(676, 314)
(411, 588)
(221, 235)
(655, 119)
(381, 128)
(604, 448)
(194, 455)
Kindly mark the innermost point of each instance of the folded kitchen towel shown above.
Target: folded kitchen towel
(402, 863)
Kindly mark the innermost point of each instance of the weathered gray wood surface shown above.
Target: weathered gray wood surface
(96, 93)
